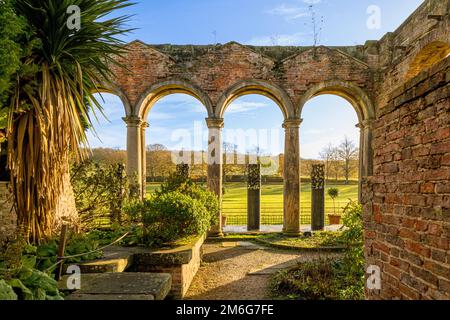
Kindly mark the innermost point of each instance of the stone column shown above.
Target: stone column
(292, 177)
(215, 160)
(366, 154)
(134, 154)
(144, 127)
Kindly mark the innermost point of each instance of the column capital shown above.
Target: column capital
(215, 123)
(133, 121)
(292, 123)
(145, 125)
(365, 124)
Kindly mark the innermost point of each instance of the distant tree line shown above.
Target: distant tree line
(341, 162)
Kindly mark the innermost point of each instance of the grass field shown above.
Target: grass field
(235, 201)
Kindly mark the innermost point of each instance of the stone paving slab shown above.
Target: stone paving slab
(122, 286)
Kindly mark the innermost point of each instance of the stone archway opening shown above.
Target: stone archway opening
(137, 125)
(174, 132)
(253, 135)
(365, 111)
(107, 132)
(291, 124)
(336, 146)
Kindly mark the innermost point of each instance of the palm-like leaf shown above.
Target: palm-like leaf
(52, 108)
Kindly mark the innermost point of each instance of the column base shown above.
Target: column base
(292, 234)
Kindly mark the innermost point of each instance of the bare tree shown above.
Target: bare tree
(228, 149)
(347, 152)
(158, 160)
(328, 154)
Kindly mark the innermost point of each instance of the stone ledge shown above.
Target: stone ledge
(299, 249)
(167, 257)
(121, 286)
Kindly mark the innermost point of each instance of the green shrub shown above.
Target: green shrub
(352, 267)
(100, 190)
(179, 209)
(172, 216)
(178, 182)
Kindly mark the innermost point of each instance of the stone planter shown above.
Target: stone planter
(181, 263)
(334, 219)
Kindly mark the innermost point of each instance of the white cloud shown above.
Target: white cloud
(312, 1)
(280, 40)
(239, 107)
(289, 12)
(154, 115)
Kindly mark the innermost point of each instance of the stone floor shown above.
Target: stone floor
(241, 270)
(275, 228)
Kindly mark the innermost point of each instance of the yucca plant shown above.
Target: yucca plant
(50, 109)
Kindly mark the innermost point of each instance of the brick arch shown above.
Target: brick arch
(163, 89)
(429, 54)
(246, 87)
(356, 96)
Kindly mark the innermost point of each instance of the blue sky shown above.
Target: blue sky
(327, 119)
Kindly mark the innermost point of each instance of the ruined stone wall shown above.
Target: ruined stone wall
(214, 69)
(7, 214)
(407, 201)
(397, 50)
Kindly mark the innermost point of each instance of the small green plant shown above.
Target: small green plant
(336, 279)
(20, 278)
(333, 193)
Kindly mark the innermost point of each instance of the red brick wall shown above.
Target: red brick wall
(407, 201)
(214, 69)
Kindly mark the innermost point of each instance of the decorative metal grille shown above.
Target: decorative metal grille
(254, 176)
(318, 177)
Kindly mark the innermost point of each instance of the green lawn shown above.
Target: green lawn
(235, 200)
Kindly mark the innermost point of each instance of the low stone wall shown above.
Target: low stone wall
(8, 219)
(181, 263)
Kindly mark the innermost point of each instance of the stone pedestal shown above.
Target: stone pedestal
(253, 197)
(318, 198)
(215, 127)
(292, 177)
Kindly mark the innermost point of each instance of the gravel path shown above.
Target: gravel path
(240, 271)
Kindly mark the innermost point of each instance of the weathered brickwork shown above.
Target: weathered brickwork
(407, 211)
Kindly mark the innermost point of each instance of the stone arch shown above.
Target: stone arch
(366, 115)
(350, 92)
(115, 90)
(429, 55)
(163, 89)
(246, 87)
